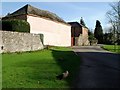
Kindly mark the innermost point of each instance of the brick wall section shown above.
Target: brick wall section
(17, 42)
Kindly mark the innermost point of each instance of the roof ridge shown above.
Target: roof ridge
(29, 9)
(77, 23)
(17, 11)
(27, 5)
(46, 11)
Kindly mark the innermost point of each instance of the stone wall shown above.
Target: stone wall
(18, 42)
(80, 35)
(83, 40)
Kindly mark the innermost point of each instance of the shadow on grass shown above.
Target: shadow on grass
(68, 61)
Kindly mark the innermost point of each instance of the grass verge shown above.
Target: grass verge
(39, 69)
(112, 48)
(0, 71)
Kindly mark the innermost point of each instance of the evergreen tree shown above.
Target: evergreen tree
(82, 22)
(98, 32)
(90, 35)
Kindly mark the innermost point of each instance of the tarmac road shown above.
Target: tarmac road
(98, 69)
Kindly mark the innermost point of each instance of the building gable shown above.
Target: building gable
(30, 10)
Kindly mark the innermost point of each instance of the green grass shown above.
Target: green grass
(39, 69)
(112, 48)
(0, 71)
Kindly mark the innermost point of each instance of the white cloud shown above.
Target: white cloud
(108, 25)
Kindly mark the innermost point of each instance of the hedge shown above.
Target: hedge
(15, 25)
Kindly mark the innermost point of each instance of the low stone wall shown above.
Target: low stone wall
(18, 42)
(93, 42)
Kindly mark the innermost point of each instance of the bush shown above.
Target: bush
(93, 42)
(15, 25)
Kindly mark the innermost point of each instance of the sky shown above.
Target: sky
(68, 11)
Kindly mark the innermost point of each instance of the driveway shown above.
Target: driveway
(98, 69)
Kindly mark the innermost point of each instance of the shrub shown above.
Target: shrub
(15, 25)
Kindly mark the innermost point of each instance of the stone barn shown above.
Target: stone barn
(79, 34)
(55, 30)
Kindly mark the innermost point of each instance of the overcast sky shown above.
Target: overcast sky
(68, 11)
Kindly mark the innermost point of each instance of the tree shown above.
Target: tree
(82, 22)
(91, 38)
(90, 35)
(114, 19)
(98, 32)
(108, 37)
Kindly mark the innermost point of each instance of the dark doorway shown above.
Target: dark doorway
(72, 41)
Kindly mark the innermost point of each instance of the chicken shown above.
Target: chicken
(63, 75)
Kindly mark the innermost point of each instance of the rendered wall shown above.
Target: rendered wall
(17, 42)
(55, 33)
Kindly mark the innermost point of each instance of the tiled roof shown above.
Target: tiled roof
(72, 23)
(28, 9)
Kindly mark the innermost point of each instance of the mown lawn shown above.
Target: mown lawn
(112, 48)
(0, 71)
(39, 69)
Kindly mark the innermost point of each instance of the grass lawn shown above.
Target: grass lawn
(39, 69)
(0, 71)
(111, 48)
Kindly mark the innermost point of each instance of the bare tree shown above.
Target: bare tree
(114, 18)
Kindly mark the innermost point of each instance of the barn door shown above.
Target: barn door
(72, 41)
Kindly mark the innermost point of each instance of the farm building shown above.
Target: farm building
(55, 31)
(79, 34)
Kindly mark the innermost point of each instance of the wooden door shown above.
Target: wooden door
(72, 41)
